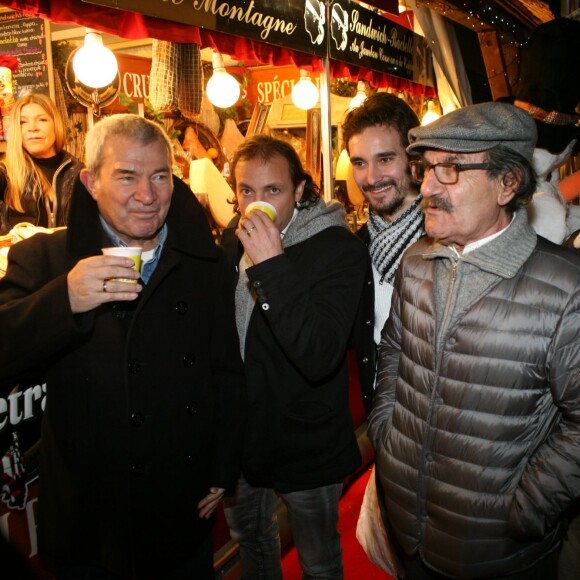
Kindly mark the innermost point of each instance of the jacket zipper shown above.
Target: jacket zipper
(421, 499)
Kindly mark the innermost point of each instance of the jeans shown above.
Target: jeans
(313, 515)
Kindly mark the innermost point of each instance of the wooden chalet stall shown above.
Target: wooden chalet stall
(339, 42)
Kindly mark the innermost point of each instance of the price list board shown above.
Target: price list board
(27, 39)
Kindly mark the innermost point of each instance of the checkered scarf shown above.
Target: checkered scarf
(390, 239)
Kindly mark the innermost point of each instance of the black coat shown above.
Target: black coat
(363, 334)
(145, 399)
(300, 432)
(63, 182)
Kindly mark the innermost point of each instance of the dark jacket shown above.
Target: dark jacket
(476, 418)
(34, 210)
(363, 337)
(300, 432)
(145, 399)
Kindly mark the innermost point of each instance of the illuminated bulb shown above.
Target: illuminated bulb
(360, 96)
(304, 92)
(430, 115)
(342, 166)
(94, 64)
(222, 89)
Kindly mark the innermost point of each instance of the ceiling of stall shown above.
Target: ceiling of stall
(527, 13)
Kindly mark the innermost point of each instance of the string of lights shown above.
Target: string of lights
(481, 15)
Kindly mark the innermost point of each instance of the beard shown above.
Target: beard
(438, 202)
(391, 203)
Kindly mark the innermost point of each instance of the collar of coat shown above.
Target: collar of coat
(503, 256)
(189, 231)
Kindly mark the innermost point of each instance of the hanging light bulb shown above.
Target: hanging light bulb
(361, 95)
(342, 166)
(95, 65)
(222, 89)
(431, 115)
(304, 92)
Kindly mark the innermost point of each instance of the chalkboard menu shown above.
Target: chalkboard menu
(25, 38)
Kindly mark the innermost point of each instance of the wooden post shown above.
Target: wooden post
(495, 66)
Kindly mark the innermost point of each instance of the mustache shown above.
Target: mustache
(377, 186)
(438, 202)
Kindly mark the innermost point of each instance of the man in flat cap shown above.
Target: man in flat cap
(476, 417)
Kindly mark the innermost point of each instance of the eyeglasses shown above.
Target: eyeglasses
(446, 173)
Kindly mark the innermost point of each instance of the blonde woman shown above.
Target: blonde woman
(37, 175)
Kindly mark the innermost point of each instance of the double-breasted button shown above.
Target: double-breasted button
(137, 469)
(256, 284)
(137, 419)
(134, 367)
(181, 308)
(260, 291)
(189, 359)
(118, 312)
(265, 306)
(365, 359)
(192, 408)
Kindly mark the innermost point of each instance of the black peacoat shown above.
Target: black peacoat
(300, 431)
(145, 399)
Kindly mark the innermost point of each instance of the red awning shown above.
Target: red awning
(134, 26)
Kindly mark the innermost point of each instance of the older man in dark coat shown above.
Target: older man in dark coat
(141, 429)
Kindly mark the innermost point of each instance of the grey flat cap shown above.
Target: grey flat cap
(478, 128)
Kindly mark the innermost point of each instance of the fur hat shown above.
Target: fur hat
(478, 128)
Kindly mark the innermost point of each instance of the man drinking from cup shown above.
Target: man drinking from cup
(300, 281)
(145, 385)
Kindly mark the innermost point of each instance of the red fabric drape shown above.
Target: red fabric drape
(135, 26)
(379, 79)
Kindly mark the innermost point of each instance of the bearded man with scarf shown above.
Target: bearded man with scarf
(300, 282)
(375, 135)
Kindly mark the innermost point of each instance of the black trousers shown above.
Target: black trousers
(199, 567)
(545, 569)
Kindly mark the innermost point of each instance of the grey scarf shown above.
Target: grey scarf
(307, 223)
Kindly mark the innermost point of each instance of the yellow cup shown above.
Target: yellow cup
(264, 206)
(127, 252)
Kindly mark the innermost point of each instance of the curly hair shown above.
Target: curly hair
(265, 147)
(380, 109)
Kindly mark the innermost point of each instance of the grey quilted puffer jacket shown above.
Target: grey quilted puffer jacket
(476, 419)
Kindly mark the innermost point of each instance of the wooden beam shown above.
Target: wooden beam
(495, 66)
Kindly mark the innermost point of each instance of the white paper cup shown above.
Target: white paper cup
(127, 252)
(264, 206)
